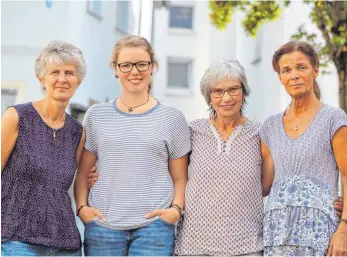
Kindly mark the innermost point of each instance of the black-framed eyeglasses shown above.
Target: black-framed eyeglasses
(219, 93)
(126, 67)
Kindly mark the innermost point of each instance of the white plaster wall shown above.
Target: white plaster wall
(24, 37)
(186, 44)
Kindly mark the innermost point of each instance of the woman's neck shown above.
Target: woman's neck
(52, 109)
(131, 100)
(301, 105)
(229, 123)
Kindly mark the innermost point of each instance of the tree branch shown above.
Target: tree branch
(321, 23)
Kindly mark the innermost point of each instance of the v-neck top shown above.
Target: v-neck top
(224, 203)
(305, 183)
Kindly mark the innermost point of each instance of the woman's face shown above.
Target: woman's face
(60, 81)
(226, 98)
(297, 74)
(134, 78)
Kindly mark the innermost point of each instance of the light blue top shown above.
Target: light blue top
(300, 205)
(133, 152)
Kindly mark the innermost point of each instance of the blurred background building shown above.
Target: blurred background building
(93, 26)
(186, 43)
(184, 40)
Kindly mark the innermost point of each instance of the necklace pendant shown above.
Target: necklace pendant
(130, 109)
(54, 134)
(296, 128)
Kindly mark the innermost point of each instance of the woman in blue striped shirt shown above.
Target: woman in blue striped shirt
(141, 148)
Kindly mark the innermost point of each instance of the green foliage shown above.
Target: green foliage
(257, 12)
(329, 16)
(223, 10)
(320, 47)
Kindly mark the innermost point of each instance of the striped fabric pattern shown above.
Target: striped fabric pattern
(133, 151)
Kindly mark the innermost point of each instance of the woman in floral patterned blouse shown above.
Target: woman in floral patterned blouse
(307, 147)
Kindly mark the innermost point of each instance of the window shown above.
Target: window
(12, 92)
(179, 73)
(94, 8)
(8, 98)
(122, 18)
(181, 17)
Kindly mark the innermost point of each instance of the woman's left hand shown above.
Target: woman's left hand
(170, 215)
(338, 206)
(338, 243)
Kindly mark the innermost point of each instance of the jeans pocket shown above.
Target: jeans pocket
(166, 223)
(90, 222)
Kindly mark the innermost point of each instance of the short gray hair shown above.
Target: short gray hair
(219, 71)
(60, 53)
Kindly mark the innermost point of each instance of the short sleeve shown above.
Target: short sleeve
(180, 143)
(90, 144)
(338, 120)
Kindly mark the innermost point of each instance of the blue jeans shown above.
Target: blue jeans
(17, 248)
(155, 239)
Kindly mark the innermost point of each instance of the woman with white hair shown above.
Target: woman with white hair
(224, 201)
(41, 146)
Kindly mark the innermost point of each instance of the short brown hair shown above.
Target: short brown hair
(304, 48)
(133, 41)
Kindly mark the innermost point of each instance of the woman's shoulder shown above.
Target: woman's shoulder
(23, 107)
(100, 107)
(74, 122)
(169, 109)
(198, 123)
(254, 124)
(273, 120)
(328, 110)
(170, 114)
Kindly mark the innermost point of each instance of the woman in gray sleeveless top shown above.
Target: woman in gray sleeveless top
(306, 146)
(41, 147)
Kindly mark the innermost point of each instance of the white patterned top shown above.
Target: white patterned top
(224, 204)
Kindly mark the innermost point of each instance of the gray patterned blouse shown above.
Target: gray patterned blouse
(224, 205)
(300, 210)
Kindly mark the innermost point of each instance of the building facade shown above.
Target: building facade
(186, 43)
(93, 26)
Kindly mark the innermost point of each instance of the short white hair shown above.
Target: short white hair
(60, 53)
(219, 71)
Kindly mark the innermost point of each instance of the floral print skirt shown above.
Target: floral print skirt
(291, 250)
(297, 230)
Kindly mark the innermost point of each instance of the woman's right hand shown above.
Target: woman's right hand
(93, 177)
(87, 214)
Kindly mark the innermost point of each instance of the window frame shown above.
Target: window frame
(180, 91)
(181, 29)
(91, 10)
(128, 18)
(19, 86)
